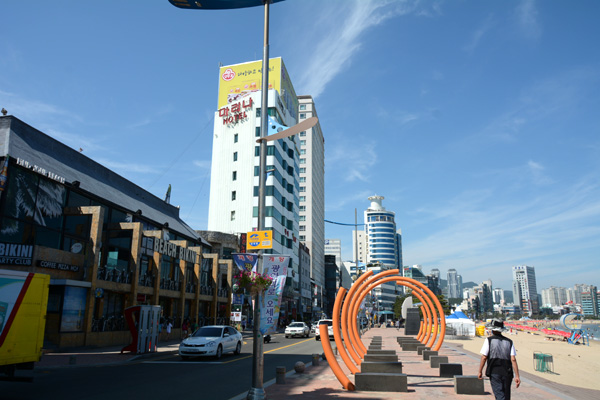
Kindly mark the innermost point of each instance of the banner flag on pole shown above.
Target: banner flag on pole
(246, 261)
(276, 267)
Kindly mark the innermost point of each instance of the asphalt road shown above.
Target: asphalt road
(167, 377)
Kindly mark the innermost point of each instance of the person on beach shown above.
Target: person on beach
(500, 354)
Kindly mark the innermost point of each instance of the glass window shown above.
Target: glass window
(257, 132)
(234, 176)
(302, 188)
(303, 143)
(233, 215)
(233, 195)
(257, 151)
(303, 218)
(302, 238)
(235, 138)
(303, 106)
(303, 133)
(302, 208)
(302, 228)
(235, 156)
(302, 151)
(302, 115)
(302, 198)
(302, 179)
(302, 170)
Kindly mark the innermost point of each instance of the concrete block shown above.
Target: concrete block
(381, 382)
(435, 361)
(420, 349)
(449, 370)
(412, 325)
(379, 366)
(410, 346)
(428, 353)
(381, 357)
(375, 352)
(468, 384)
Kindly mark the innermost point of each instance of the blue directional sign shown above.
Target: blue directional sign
(217, 4)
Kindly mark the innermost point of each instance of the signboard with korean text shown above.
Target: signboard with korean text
(260, 240)
(237, 82)
(276, 267)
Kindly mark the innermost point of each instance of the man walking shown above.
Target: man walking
(499, 353)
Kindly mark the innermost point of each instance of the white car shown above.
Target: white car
(329, 324)
(297, 329)
(211, 340)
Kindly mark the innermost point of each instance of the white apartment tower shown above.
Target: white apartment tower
(233, 204)
(525, 289)
(312, 191)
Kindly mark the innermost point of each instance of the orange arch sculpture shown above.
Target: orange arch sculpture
(349, 310)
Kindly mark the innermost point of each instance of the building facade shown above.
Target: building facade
(106, 243)
(525, 289)
(590, 302)
(454, 284)
(235, 168)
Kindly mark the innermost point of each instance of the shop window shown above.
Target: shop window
(47, 237)
(14, 231)
(73, 309)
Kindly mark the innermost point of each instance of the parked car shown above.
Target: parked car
(211, 340)
(297, 329)
(327, 322)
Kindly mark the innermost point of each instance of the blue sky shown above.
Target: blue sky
(478, 121)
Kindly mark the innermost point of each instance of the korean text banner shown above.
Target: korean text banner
(246, 261)
(275, 267)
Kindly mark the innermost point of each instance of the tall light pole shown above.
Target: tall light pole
(257, 391)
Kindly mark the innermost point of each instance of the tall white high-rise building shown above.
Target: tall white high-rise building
(233, 204)
(334, 247)
(312, 193)
(525, 289)
(554, 296)
(498, 296)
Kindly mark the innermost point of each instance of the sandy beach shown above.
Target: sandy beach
(574, 365)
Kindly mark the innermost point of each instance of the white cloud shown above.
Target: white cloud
(128, 168)
(478, 34)
(338, 36)
(537, 172)
(527, 18)
(352, 160)
(202, 164)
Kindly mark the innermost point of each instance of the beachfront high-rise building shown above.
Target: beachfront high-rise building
(525, 289)
(590, 302)
(454, 284)
(312, 194)
(382, 247)
(498, 296)
(233, 203)
(554, 296)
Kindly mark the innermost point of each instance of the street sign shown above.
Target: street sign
(260, 240)
(236, 316)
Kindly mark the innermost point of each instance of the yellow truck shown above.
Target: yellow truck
(23, 304)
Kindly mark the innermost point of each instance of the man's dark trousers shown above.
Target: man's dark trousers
(501, 386)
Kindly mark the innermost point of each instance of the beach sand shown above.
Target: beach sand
(574, 365)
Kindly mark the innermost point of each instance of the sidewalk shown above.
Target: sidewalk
(319, 382)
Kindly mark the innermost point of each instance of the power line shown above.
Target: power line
(339, 223)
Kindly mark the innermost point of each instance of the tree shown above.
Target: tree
(398, 304)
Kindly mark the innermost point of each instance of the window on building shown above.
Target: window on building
(302, 188)
(302, 198)
(302, 170)
(303, 106)
(302, 238)
(303, 161)
(302, 208)
(303, 218)
(303, 143)
(302, 115)
(234, 176)
(233, 215)
(302, 179)
(303, 133)
(235, 138)
(233, 195)
(235, 156)
(302, 151)
(257, 133)
(257, 151)
(302, 228)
